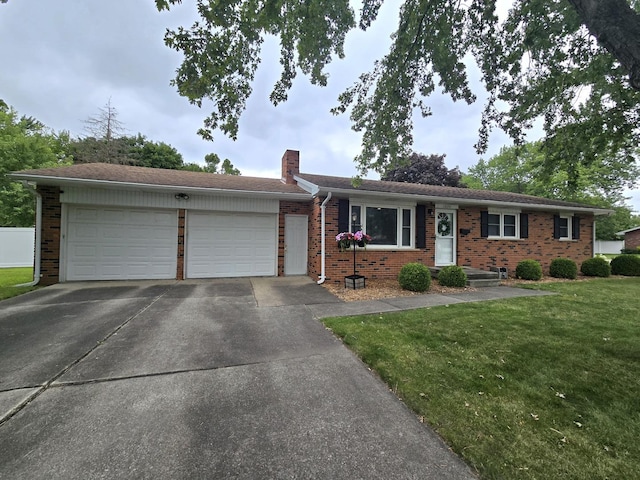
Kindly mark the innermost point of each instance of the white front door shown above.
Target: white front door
(445, 237)
(295, 244)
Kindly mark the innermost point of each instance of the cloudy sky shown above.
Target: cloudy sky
(62, 60)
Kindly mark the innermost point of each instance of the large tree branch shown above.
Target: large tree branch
(617, 27)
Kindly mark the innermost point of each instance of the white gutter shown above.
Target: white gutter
(38, 229)
(323, 240)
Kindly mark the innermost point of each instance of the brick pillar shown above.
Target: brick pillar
(50, 238)
(290, 166)
(180, 262)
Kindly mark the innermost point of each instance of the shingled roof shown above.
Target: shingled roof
(127, 176)
(434, 192)
(92, 173)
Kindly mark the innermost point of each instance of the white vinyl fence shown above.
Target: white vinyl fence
(605, 246)
(16, 247)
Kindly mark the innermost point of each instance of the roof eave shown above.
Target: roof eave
(627, 231)
(79, 182)
(464, 201)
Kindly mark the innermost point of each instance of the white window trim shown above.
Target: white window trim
(502, 213)
(569, 219)
(399, 208)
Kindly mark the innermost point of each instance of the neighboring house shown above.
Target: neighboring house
(631, 238)
(110, 222)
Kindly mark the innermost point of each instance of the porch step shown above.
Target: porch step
(484, 282)
(475, 276)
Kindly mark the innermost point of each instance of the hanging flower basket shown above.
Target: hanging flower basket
(345, 241)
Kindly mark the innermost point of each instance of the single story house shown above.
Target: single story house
(631, 238)
(115, 222)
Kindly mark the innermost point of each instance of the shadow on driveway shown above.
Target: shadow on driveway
(197, 379)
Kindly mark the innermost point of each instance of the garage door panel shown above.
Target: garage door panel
(120, 243)
(231, 244)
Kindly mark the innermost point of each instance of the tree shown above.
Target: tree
(566, 62)
(105, 140)
(25, 143)
(136, 150)
(147, 153)
(212, 161)
(428, 170)
(522, 169)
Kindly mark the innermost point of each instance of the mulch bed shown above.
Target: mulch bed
(385, 288)
(389, 288)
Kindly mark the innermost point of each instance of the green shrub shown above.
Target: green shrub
(563, 268)
(529, 270)
(628, 265)
(415, 277)
(452, 276)
(596, 267)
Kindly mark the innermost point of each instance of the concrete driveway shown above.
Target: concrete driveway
(197, 379)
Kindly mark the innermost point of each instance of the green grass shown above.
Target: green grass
(529, 388)
(14, 276)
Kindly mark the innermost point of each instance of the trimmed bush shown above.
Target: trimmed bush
(529, 270)
(563, 268)
(415, 277)
(452, 276)
(596, 267)
(628, 265)
(635, 251)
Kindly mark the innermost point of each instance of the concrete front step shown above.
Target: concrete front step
(483, 282)
(475, 276)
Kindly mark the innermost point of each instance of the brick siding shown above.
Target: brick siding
(180, 259)
(478, 252)
(632, 239)
(472, 249)
(50, 239)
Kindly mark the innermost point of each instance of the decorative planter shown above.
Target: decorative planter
(354, 281)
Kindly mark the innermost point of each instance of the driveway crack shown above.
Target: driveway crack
(46, 385)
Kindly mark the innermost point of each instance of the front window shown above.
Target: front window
(388, 226)
(563, 228)
(503, 225)
(382, 225)
(356, 218)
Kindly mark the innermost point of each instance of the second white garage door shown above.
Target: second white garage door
(231, 244)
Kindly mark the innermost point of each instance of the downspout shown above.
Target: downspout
(36, 264)
(322, 239)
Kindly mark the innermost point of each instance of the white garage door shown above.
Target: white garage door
(231, 244)
(113, 243)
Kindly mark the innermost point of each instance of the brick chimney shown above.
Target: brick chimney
(290, 166)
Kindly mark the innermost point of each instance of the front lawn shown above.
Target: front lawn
(527, 388)
(14, 276)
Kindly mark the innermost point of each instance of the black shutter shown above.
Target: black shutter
(343, 215)
(524, 225)
(484, 224)
(421, 226)
(575, 228)
(556, 226)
